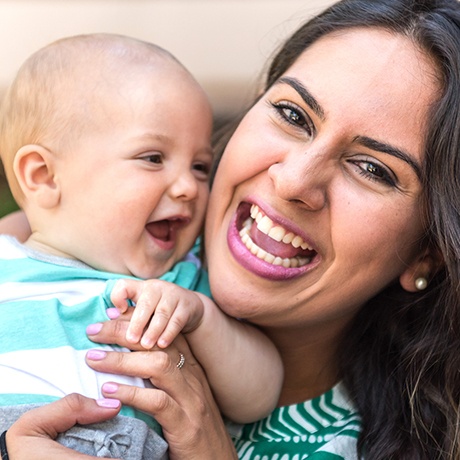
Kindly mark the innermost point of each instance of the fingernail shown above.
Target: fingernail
(131, 338)
(112, 313)
(110, 387)
(108, 403)
(147, 343)
(96, 355)
(162, 343)
(93, 329)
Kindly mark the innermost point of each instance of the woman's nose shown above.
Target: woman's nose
(302, 177)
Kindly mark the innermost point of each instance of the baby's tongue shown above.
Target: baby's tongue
(159, 229)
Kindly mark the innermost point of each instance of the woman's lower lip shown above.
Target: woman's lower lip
(255, 265)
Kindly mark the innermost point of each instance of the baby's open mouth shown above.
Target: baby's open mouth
(165, 229)
(271, 242)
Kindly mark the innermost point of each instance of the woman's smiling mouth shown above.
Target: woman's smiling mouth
(279, 253)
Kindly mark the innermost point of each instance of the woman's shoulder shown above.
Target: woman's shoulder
(326, 427)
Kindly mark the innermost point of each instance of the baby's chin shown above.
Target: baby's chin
(152, 270)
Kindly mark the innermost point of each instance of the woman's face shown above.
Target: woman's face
(329, 159)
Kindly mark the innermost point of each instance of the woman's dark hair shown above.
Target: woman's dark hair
(400, 359)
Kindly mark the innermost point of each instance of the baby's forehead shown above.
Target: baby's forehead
(101, 54)
(85, 68)
(87, 77)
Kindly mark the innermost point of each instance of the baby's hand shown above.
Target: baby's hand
(162, 310)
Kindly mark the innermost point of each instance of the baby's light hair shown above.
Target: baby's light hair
(49, 101)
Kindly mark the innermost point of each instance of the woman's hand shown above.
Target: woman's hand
(33, 434)
(181, 402)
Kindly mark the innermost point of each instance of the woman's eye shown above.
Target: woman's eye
(294, 116)
(375, 172)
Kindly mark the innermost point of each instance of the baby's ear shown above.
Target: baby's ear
(417, 275)
(34, 169)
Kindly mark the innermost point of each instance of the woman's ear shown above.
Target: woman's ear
(34, 169)
(417, 276)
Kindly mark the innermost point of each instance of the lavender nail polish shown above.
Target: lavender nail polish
(96, 355)
(93, 329)
(108, 403)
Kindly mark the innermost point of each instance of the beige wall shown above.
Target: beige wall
(223, 42)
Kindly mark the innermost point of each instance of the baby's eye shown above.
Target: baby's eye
(155, 158)
(294, 115)
(202, 170)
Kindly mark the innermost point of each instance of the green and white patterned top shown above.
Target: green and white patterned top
(324, 428)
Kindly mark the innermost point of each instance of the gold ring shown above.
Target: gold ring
(181, 362)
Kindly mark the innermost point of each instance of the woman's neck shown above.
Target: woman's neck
(310, 364)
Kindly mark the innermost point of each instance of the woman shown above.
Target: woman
(350, 156)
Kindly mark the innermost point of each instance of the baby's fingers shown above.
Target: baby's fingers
(143, 314)
(164, 320)
(125, 290)
(174, 326)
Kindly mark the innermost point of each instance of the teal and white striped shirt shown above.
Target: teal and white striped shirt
(46, 303)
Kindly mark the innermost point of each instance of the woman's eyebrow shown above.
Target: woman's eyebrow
(304, 94)
(368, 142)
(390, 150)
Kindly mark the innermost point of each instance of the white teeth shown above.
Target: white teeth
(276, 232)
(297, 241)
(261, 253)
(265, 224)
(278, 261)
(247, 223)
(270, 258)
(286, 263)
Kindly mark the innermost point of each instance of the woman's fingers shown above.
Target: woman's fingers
(156, 364)
(33, 434)
(113, 332)
(181, 397)
(153, 401)
(59, 416)
(173, 371)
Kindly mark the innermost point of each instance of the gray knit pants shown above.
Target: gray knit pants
(121, 437)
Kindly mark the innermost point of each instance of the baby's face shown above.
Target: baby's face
(135, 189)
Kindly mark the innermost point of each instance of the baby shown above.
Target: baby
(105, 141)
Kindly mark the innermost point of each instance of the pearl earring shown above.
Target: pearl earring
(421, 283)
